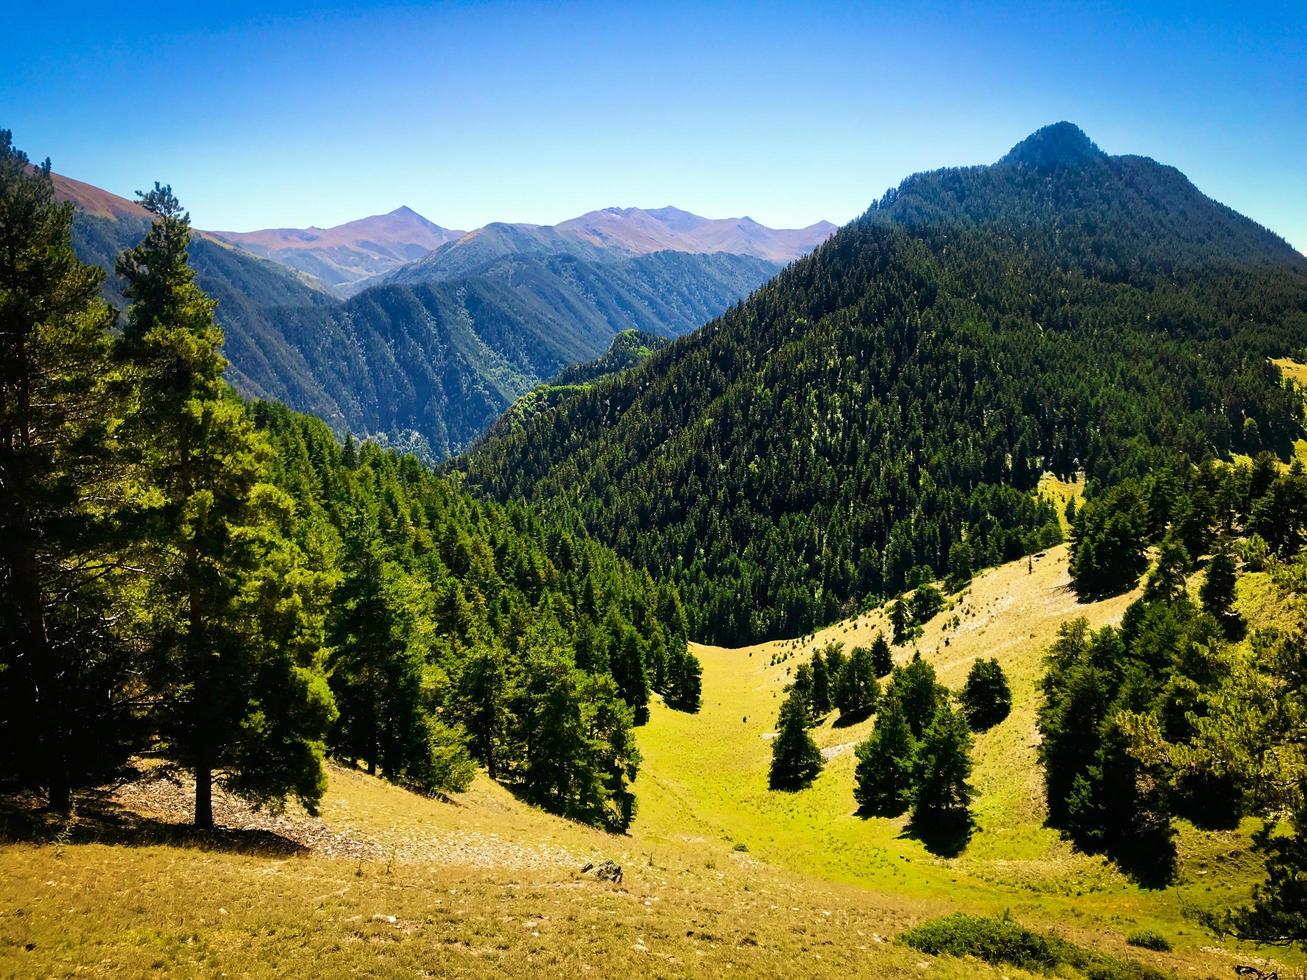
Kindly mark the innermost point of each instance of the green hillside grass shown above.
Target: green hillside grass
(720, 873)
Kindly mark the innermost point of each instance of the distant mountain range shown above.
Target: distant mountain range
(429, 354)
(403, 246)
(347, 257)
(670, 229)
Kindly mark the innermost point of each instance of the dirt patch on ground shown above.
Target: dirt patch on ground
(170, 801)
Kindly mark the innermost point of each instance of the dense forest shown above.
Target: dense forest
(879, 413)
(225, 588)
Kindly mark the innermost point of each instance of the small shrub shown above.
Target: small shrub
(1147, 939)
(1005, 941)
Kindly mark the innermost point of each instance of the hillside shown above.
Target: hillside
(629, 348)
(718, 873)
(430, 366)
(345, 257)
(884, 406)
(427, 365)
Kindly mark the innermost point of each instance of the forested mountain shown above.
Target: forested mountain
(881, 411)
(346, 257)
(427, 365)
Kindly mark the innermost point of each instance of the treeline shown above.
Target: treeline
(1183, 710)
(879, 413)
(225, 587)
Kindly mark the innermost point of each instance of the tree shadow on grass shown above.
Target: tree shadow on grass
(844, 721)
(945, 836)
(101, 821)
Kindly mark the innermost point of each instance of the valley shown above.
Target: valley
(718, 872)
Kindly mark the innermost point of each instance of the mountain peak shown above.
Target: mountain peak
(1062, 144)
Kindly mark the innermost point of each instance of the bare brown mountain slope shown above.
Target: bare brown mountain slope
(638, 230)
(346, 257)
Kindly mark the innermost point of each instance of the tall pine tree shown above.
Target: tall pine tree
(237, 651)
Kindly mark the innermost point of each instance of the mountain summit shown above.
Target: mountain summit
(1062, 144)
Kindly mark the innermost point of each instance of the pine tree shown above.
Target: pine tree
(377, 661)
(942, 795)
(238, 702)
(626, 661)
(883, 775)
(66, 718)
(821, 686)
(483, 689)
(801, 688)
(917, 691)
(856, 690)
(1166, 582)
(986, 698)
(1217, 591)
(1277, 913)
(1107, 544)
(795, 758)
(900, 620)
(685, 683)
(882, 661)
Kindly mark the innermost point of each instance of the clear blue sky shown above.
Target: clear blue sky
(270, 114)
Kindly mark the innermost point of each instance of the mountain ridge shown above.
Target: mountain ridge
(898, 392)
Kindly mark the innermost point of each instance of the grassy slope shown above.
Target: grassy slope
(485, 884)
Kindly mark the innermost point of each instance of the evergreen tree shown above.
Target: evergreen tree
(941, 796)
(580, 754)
(1075, 706)
(882, 661)
(1217, 591)
(900, 620)
(856, 690)
(626, 662)
(238, 703)
(1280, 516)
(1277, 914)
(1107, 544)
(821, 686)
(986, 699)
(801, 688)
(917, 691)
(66, 714)
(835, 661)
(685, 683)
(883, 777)
(482, 694)
(1166, 582)
(377, 661)
(795, 758)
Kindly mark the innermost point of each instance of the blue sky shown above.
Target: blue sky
(276, 114)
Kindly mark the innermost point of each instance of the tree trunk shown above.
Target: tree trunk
(60, 796)
(203, 797)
